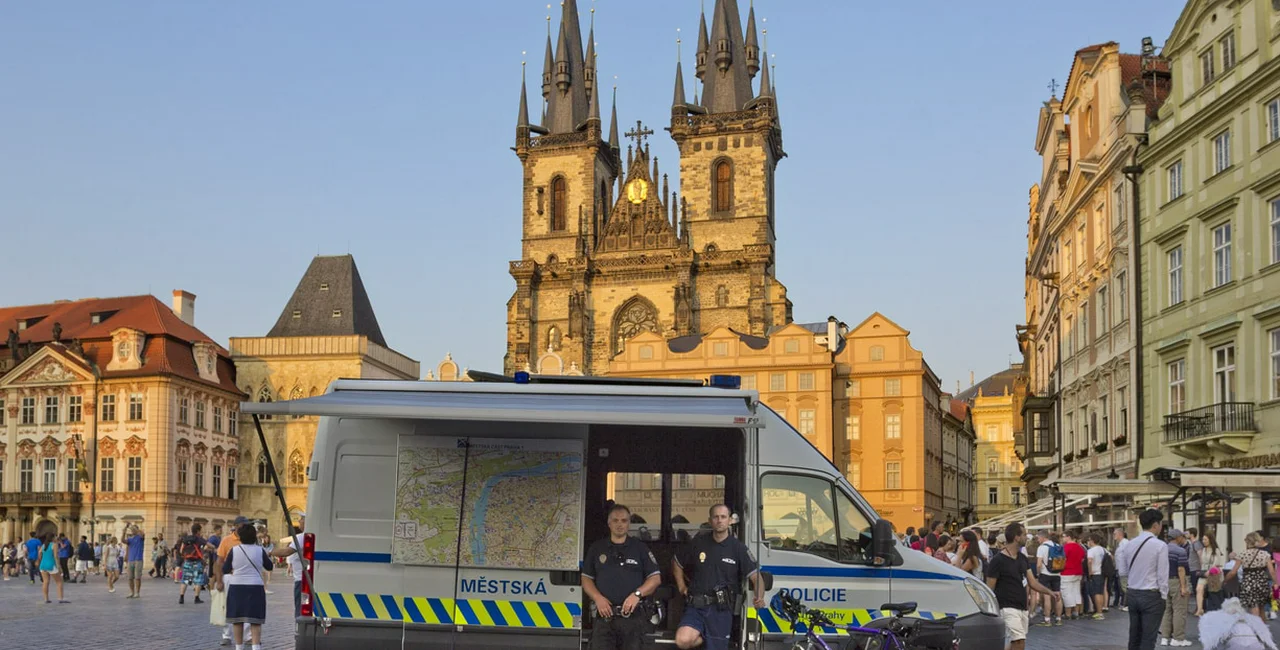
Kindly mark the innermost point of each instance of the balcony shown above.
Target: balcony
(41, 498)
(1226, 427)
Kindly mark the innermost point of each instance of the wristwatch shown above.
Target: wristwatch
(637, 593)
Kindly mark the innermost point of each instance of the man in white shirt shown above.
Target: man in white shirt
(1117, 597)
(1145, 562)
(290, 548)
(1096, 554)
(1049, 579)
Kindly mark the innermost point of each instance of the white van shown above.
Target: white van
(455, 515)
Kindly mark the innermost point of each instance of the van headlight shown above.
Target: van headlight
(982, 597)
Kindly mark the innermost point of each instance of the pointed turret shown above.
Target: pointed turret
(594, 113)
(766, 88)
(752, 46)
(613, 123)
(589, 77)
(548, 65)
(727, 85)
(700, 63)
(522, 120)
(563, 72)
(568, 101)
(678, 102)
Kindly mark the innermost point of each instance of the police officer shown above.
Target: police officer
(718, 562)
(618, 574)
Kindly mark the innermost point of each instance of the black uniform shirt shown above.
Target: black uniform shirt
(715, 564)
(619, 569)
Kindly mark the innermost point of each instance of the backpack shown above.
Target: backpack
(190, 550)
(1108, 565)
(1057, 559)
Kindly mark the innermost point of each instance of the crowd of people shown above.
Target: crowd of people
(1158, 578)
(238, 564)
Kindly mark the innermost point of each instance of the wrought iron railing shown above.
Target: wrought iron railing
(1223, 417)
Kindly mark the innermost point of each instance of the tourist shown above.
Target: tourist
(97, 558)
(241, 573)
(1050, 561)
(190, 548)
(1117, 584)
(1234, 628)
(941, 553)
(266, 543)
(84, 559)
(970, 559)
(225, 545)
(1145, 562)
(136, 544)
(906, 537)
(1173, 623)
(162, 562)
(49, 569)
(291, 550)
(64, 556)
(1193, 547)
(1209, 593)
(1006, 573)
(982, 543)
(1211, 555)
(1072, 575)
(1257, 571)
(33, 555)
(1096, 556)
(111, 552)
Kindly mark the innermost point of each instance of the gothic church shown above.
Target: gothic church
(609, 251)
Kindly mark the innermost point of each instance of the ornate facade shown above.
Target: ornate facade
(326, 331)
(114, 411)
(609, 251)
(995, 404)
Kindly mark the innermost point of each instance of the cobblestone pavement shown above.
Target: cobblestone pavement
(95, 619)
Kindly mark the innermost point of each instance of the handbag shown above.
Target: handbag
(218, 609)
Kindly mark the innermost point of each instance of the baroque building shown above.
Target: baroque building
(1210, 220)
(608, 250)
(114, 411)
(995, 405)
(326, 331)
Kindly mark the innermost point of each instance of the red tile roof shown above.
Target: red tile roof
(168, 344)
(1157, 81)
(960, 409)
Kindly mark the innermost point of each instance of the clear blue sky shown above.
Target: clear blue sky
(217, 146)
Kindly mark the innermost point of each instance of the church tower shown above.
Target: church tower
(609, 251)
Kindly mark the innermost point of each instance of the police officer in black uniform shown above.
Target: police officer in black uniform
(618, 574)
(718, 562)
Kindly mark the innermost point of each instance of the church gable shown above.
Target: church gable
(47, 367)
(642, 217)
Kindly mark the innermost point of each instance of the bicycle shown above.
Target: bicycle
(896, 632)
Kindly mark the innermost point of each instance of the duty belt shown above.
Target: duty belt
(711, 600)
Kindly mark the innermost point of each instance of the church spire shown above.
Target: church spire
(700, 63)
(753, 45)
(568, 103)
(523, 119)
(613, 123)
(590, 60)
(727, 84)
(548, 65)
(678, 102)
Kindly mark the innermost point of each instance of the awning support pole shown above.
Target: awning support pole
(284, 507)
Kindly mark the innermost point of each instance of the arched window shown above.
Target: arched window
(722, 296)
(264, 395)
(559, 203)
(723, 190)
(296, 394)
(297, 471)
(263, 475)
(553, 338)
(635, 316)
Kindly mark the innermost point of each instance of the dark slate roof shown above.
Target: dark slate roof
(995, 385)
(690, 342)
(316, 306)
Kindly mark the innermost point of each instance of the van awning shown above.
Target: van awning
(684, 407)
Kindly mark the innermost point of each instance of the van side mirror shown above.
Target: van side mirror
(884, 551)
(767, 579)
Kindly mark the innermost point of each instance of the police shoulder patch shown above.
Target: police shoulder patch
(652, 558)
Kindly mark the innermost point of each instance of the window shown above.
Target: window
(1228, 44)
(75, 408)
(804, 514)
(1082, 245)
(1175, 180)
(853, 423)
(182, 476)
(1273, 120)
(1224, 373)
(686, 481)
(855, 475)
(559, 204)
(855, 388)
(993, 496)
(807, 422)
(791, 347)
(184, 416)
(51, 410)
(263, 474)
(231, 482)
(1104, 318)
(1015, 495)
(134, 476)
(108, 408)
(28, 414)
(1222, 255)
(1122, 295)
(877, 353)
(231, 423)
(778, 382)
(107, 475)
(26, 474)
(748, 382)
(217, 481)
(723, 190)
(217, 419)
(1177, 385)
(893, 426)
(73, 475)
(298, 473)
(324, 286)
(50, 482)
(1105, 433)
(893, 475)
(719, 349)
(337, 313)
(1084, 325)
(1067, 260)
(1275, 238)
(1118, 208)
(993, 466)
(1041, 441)
(199, 478)
(1206, 67)
(892, 387)
(1071, 433)
(1275, 363)
(200, 414)
(806, 381)
(1174, 257)
(993, 432)
(2, 423)
(135, 407)
(1222, 151)
(1071, 337)
(1122, 396)
(722, 296)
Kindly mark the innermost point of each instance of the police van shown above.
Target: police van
(455, 514)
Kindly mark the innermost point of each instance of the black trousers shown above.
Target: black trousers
(619, 633)
(1146, 608)
(66, 571)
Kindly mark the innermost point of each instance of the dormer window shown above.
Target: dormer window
(95, 318)
(28, 323)
(324, 286)
(297, 314)
(337, 313)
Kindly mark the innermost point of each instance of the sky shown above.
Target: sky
(217, 146)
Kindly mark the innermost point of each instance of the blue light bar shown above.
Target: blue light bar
(732, 382)
(521, 377)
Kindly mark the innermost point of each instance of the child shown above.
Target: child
(1209, 593)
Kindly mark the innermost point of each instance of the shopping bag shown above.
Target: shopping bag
(218, 609)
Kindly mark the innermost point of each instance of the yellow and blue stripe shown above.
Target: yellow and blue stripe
(447, 611)
(770, 623)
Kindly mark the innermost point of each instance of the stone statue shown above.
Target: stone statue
(12, 342)
(57, 332)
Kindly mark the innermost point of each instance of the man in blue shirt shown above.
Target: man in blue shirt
(136, 543)
(33, 552)
(64, 556)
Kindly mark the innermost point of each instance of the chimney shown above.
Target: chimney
(970, 379)
(184, 306)
(833, 340)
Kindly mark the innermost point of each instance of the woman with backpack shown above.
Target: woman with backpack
(190, 551)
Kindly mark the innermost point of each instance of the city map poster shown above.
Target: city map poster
(522, 509)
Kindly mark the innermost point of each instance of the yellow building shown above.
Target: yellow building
(1210, 220)
(114, 411)
(326, 331)
(996, 406)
